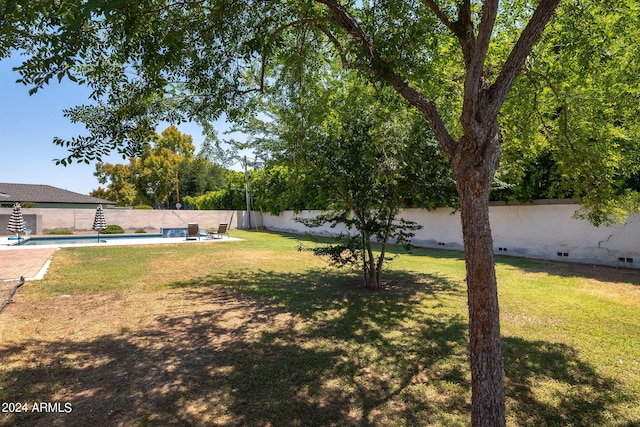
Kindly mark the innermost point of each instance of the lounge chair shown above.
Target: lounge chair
(193, 231)
(222, 230)
(27, 230)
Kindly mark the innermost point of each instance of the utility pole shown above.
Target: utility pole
(178, 205)
(177, 189)
(247, 217)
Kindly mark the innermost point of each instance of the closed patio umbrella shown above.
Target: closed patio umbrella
(99, 222)
(16, 221)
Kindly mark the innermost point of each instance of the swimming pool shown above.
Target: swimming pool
(172, 234)
(166, 235)
(92, 240)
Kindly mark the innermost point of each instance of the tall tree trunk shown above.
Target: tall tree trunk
(474, 160)
(369, 265)
(474, 166)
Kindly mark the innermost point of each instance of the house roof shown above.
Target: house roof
(45, 194)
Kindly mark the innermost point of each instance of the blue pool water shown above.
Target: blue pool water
(74, 240)
(173, 232)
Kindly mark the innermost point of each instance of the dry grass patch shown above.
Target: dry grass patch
(255, 333)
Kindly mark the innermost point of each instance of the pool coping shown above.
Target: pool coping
(6, 244)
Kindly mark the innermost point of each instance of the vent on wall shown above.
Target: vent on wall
(563, 254)
(441, 243)
(502, 249)
(623, 259)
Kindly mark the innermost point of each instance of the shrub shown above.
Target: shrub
(113, 229)
(141, 231)
(143, 207)
(59, 231)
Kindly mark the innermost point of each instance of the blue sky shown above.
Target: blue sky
(29, 123)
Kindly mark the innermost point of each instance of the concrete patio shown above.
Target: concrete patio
(29, 263)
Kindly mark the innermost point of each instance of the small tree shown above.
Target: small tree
(356, 250)
(363, 156)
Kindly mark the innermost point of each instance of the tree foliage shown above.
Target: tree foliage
(278, 187)
(230, 196)
(147, 62)
(364, 159)
(120, 184)
(166, 160)
(360, 152)
(365, 182)
(569, 128)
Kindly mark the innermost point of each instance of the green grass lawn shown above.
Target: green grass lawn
(300, 343)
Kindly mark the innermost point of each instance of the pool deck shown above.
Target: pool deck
(31, 262)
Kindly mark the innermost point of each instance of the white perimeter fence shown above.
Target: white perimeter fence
(542, 230)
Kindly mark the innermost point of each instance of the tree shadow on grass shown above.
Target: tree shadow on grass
(601, 273)
(237, 355)
(273, 348)
(560, 268)
(185, 370)
(590, 395)
(548, 385)
(386, 338)
(322, 288)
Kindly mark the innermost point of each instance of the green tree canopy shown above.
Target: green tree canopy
(571, 126)
(165, 162)
(231, 196)
(366, 177)
(120, 184)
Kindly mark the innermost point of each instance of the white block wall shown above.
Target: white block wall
(542, 231)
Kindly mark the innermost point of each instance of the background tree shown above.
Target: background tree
(119, 181)
(230, 197)
(454, 61)
(157, 168)
(151, 177)
(571, 125)
(529, 176)
(199, 175)
(278, 187)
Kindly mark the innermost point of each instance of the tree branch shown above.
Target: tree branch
(475, 80)
(500, 88)
(428, 110)
(343, 19)
(563, 105)
(439, 13)
(293, 23)
(464, 31)
(382, 70)
(338, 47)
(487, 22)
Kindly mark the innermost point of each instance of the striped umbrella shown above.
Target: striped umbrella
(16, 222)
(99, 222)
